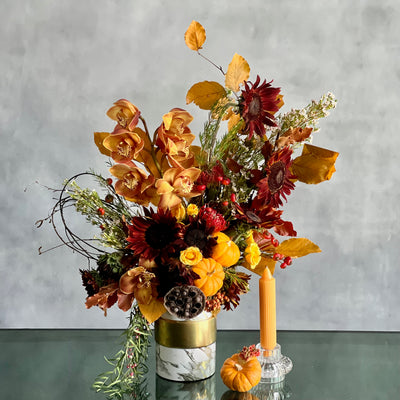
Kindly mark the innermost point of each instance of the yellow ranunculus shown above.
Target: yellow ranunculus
(192, 210)
(252, 254)
(179, 212)
(191, 256)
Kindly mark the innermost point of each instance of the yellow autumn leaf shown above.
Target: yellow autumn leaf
(195, 36)
(153, 310)
(266, 262)
(238, 72)
(205, 94)
(297, 247)
(98, 140)
(234, 120)
(315, 164)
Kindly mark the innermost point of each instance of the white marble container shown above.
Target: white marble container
(185, 349)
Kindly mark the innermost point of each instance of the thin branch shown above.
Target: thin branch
(215, 65)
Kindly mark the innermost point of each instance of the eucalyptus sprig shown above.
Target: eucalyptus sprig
(129, 364)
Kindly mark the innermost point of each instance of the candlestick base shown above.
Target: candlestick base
(274, 366)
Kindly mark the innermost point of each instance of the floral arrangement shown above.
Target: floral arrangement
(180, 224)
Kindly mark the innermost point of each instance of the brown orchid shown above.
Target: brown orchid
(135, 284)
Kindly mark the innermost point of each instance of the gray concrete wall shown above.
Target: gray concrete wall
(62, 65)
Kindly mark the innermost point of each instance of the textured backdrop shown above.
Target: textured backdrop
(62, 65)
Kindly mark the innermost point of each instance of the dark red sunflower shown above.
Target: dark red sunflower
(277, 184)
(199, 234)
(257, 106)
(155, 234)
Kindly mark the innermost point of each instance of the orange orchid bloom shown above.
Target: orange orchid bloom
(133, 183)
(180, 155)
(175, 128)
(125, 145)
(125, 113)
(177, 183)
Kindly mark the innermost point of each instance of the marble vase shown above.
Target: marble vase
(185, 349)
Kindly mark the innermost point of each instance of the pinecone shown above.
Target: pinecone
(185, 301)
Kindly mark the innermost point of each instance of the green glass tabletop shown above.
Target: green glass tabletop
(62, 364)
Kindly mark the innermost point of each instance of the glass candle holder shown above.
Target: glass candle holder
(274, 366)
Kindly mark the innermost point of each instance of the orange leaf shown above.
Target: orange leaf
(153, 310)
(238, 72)
(266, 262)
(98, 140)
(315, 164)
(195, 36)
(294, 135)
(297, 247)
(205, 94)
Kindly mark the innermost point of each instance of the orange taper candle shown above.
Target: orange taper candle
(267, 311)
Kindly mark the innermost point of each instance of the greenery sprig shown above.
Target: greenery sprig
(129, 364)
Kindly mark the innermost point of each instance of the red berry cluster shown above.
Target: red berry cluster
(285, 260)
(249, 352)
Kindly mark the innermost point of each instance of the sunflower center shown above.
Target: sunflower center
(159, 235)
(254, 107)
(276, 177)
(196, 237)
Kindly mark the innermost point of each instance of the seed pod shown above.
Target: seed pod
(185, 301)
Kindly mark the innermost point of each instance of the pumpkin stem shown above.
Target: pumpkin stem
(238, 367)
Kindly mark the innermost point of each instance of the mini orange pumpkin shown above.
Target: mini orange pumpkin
(242, 371)
(211, 276)
(226, 252)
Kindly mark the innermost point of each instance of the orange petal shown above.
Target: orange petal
(98, 140)
(169, 200)
(163, 187)
(153, 310)
(125, 301)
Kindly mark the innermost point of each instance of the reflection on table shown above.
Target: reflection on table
(62, 364)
